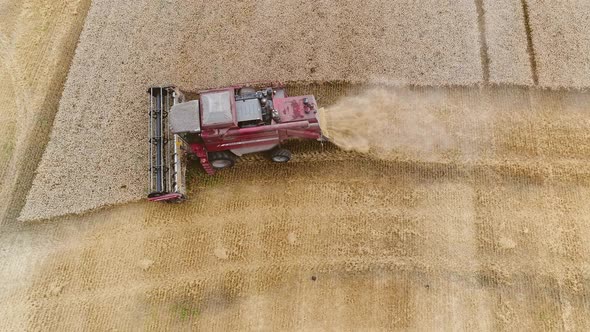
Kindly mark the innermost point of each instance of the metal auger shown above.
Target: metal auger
(164, 170)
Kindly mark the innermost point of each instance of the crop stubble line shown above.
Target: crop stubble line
(530, 44)
(49, 41)
(353, 263)
(485, 58)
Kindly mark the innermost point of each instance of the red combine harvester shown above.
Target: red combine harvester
(220, 126)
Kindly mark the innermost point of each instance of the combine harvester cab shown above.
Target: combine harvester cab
(222, 125)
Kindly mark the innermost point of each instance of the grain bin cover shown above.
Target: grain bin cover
(184, 118)
(217, 109)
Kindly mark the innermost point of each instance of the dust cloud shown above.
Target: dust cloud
(391, 124)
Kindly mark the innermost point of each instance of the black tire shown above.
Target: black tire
(246, 91)
(222, 159)
(176, 201)
(280, 155)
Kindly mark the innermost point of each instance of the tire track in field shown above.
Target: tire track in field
(530, 44)
(481, 24)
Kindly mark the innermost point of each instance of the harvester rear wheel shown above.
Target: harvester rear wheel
(280, 155)
(222, 159)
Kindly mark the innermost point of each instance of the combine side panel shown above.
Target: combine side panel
(179, 169)
(166, 158)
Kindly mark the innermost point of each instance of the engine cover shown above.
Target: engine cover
(248, 110)
(217, 109)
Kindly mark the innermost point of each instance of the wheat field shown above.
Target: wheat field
(465, 209)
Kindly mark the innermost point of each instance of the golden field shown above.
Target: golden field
(469, 209)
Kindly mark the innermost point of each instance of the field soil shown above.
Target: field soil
(472, 215)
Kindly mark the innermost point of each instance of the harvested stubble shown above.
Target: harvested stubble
(98, 148)
(505, 36)
(561, 38)
(344, 245)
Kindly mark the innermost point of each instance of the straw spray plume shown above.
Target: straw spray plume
(391, 124)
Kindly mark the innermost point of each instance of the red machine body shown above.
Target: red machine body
(220, 126)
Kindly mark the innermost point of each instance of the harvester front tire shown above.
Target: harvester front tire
(280, 155)
(222, 159)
